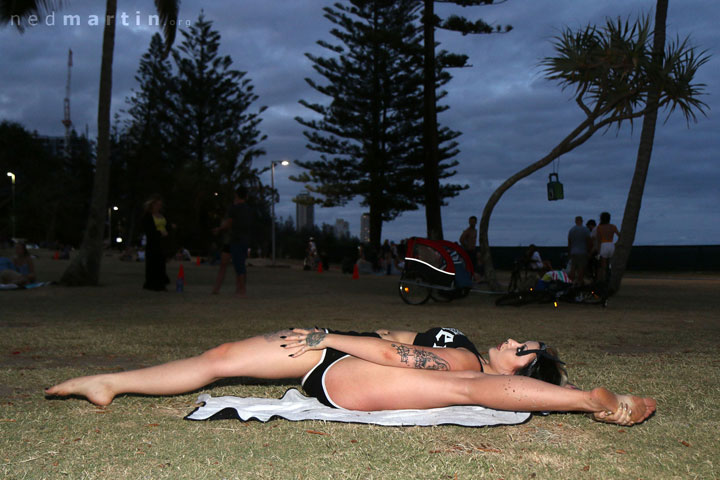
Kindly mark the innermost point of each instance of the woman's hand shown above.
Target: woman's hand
(622, 416)
(305, 340)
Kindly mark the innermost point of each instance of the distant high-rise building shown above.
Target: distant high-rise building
(53, 145)
(365, 228)
(341, 229)
(304, 212)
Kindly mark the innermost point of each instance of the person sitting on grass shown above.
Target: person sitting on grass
(533, 261)
(20, 270)
(384, 370)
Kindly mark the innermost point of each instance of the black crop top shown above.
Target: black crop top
(446, 337)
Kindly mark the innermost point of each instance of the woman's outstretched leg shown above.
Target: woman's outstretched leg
(259, 357)
(371, 387)
(528, 394)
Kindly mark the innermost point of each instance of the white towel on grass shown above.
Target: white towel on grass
(295, 406)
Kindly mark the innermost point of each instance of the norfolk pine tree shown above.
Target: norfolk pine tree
(368, 138)
(214, 132)
(146, 165)
(432, 160)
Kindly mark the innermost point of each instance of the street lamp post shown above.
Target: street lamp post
(272, 203)
(110, 210)
(12, 213)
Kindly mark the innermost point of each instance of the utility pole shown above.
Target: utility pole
(66, 110)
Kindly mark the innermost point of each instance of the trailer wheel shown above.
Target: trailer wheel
(443, 296)
(413, 294)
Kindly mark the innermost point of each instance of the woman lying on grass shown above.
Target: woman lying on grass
(385, 370)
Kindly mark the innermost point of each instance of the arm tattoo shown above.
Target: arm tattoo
(420, 358)
(314, 338)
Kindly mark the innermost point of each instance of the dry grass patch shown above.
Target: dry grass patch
(657, 338)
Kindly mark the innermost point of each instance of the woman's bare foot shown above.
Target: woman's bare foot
(95, 388)
(624, 410)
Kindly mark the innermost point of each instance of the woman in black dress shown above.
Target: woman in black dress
(155, 227)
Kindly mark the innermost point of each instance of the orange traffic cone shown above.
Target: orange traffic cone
(356, 272)
(57, 255)
(197, 261)
(180, 282)
(320, 270)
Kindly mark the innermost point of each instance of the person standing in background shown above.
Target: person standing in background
(579, 246)
(155, 227)
(238, 220)
(468, 240)
(605, 235)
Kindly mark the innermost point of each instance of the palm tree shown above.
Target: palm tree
(642, 164)
(613, 71)
(85, 267)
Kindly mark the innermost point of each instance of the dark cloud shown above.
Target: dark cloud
(508, 113)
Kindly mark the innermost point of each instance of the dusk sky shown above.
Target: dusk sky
(509, 115)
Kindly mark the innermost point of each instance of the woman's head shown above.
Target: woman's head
(530, 359)
(604, 218)
(545, 364)
(153, 204)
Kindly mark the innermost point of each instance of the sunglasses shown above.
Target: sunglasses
(541, 352)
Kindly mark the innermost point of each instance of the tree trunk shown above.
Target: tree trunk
(433, 216)
(489, 268)
(85, 267)
(642, 165)
(375, 228)
(578, 136)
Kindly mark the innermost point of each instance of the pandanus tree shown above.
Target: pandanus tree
(642, 163)
(612, 72)
(85, 267)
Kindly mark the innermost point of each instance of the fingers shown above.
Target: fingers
(298, 353)
(299, 340)
(621, 416)
(295, 342)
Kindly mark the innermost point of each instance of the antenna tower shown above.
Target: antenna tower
(66, 104)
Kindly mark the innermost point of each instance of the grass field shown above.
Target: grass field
(658, 338)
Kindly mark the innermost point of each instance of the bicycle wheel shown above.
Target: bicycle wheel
(514, 281)
(411, 293)
(586, 295)
(442, 296)
(592, 297)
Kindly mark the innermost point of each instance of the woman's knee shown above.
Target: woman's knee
(221, 353)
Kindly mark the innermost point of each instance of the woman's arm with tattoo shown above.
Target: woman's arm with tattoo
(383, 352)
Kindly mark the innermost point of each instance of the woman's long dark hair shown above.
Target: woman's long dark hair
(547, 367)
